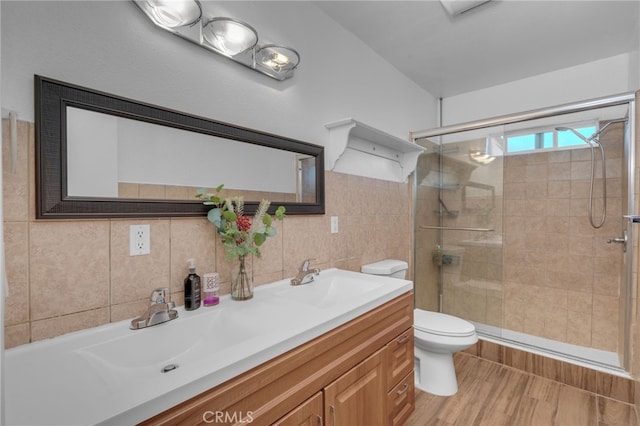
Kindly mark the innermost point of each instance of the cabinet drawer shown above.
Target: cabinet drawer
(401, 400)
(399, 354)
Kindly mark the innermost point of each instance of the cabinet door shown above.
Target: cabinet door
(309, 413)
(400, 358)
(358, 398)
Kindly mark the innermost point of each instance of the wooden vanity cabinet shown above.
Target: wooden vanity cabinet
(356, 367)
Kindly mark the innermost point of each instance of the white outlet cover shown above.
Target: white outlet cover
(334, 224)
(139, 240)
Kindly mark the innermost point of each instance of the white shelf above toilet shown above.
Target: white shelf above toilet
(358, 149)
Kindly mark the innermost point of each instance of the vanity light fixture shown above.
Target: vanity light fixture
(275, 59)
(170, 14)
(226, 36)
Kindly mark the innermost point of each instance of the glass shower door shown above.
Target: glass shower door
(505, 235)
(459, 227)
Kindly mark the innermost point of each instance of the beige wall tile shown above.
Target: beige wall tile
(52, 327)
(15, 335)
(16, 240)
(69, 267)
(152, 191)
(193, 238)
(128, 190)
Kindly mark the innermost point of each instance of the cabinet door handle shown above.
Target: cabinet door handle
(404, 389)
(332, 411)
(402, 339)
(319, 418)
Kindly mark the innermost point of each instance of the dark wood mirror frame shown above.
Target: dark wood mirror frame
(52, 201)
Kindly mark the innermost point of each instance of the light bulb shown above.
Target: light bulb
(172, 13)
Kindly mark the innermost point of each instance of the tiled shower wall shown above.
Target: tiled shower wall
(68, 275)
(551, 275)
(561, 279)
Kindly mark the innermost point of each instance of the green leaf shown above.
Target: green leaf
(280, 212)
(270, 231)
(259, 239)
(266, 219)
(229, 216)
(219, 187)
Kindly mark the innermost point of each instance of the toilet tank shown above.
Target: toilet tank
(389, 267)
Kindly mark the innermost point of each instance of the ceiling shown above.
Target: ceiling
(498, 42)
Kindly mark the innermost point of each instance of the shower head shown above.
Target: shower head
(601, 129)
(578, 134)
(594, 138)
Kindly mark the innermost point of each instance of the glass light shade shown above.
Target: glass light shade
(228, 36)
(481, 157)
(277, 58)
(172, 13)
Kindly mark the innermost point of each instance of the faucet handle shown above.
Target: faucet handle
(305, 265)
(159, 295)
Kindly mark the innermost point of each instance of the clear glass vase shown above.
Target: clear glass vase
(241, 280)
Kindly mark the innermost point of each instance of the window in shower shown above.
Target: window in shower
(548, 139)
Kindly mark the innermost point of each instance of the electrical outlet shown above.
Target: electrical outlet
(139, 240)
(334, 224)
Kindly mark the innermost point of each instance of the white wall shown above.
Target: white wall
(206, 161)
(111, 46)
(596, 79)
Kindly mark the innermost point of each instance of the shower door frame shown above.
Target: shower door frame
(627, 98)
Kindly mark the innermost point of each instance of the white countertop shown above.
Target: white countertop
(111, 375)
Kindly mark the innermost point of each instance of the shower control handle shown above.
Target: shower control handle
(619, 240)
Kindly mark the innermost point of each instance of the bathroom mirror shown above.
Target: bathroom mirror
(101, 155)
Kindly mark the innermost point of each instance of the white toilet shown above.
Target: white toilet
(436, 337)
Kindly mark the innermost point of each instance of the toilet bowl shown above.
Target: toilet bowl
(437, 337)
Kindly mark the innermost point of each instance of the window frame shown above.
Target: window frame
(538, 133)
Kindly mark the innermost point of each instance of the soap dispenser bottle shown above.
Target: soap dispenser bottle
(192, 288)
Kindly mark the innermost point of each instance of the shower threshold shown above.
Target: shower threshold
(604, 361)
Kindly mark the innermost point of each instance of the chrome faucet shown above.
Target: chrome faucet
(305, 275)
(159, 311)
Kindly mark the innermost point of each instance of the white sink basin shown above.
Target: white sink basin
(212, 330)
(331, 290)
(112, 375)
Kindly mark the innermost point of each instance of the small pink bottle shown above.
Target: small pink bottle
(210, 287)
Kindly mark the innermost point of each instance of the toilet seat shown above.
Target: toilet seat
(442, 324)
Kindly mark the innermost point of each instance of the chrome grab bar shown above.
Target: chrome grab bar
(453, 228)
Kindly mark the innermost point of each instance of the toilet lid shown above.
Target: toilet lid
(441, 324)
(384, 267)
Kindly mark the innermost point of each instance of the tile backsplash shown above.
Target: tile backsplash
(68, 275)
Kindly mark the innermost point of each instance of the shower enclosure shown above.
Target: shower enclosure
(508, 231)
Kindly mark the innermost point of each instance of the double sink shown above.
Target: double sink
(113, 375)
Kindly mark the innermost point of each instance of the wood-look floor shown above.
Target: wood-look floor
(492, 394)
